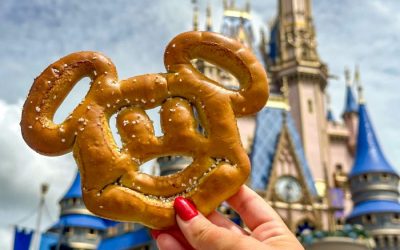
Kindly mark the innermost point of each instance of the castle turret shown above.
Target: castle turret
(350, 116)
(77, 228)
(374, 187)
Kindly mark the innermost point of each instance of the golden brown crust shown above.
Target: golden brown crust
(112, 185)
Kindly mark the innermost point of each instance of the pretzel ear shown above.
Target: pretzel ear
(229, 55)
(49, 91)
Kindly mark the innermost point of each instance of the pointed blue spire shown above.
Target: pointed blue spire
(350, 105)
(75, 189)
(369, 156)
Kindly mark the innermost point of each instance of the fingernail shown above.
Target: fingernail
(185, 208)
(155, 233)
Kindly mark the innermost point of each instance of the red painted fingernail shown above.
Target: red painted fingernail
(185, 208)
(155, 233)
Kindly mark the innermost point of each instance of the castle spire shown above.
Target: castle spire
(351, 103)
(329, 114)
(347, 76)
(369, 156)
(208, 18)
(374, 187)
(195, 16)
(359, 86)
(295, 19)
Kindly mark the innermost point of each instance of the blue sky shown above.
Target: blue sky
(134, 33)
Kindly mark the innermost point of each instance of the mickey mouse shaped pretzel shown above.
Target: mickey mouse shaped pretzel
(112, 184)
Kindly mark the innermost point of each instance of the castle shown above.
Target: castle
(319, 173)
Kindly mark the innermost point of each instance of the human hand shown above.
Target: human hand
(216, 232)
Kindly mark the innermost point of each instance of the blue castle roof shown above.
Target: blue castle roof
(82, 221)
(369, 156)
(351, 103)
(269, 126)
(74, 190)
(374, 206)
(126, 241)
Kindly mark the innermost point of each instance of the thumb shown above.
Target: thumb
(201, 233)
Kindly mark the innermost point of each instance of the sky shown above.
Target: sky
(134, 33)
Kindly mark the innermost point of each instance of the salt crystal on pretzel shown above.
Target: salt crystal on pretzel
(112, 185)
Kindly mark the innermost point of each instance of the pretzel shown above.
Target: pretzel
(112, 184)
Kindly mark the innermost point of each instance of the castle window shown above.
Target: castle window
(310, 106)
(365, 177)
(91, 233)
(385, 177)
(368, 219)
(69, 231)
(396, 218)
(339, 167)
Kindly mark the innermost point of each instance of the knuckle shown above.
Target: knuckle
(203, 234)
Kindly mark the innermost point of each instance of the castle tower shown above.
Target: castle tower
(350, 111)
(76, 228)
(374, 186)
(280, 172)
(293, 56)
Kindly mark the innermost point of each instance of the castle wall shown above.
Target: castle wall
(307, 109)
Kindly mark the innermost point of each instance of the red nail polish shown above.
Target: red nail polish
(155, 233)
(185, 208)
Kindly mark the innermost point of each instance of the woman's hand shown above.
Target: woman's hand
(266, 228)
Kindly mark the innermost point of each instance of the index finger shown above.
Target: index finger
(252, 208)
